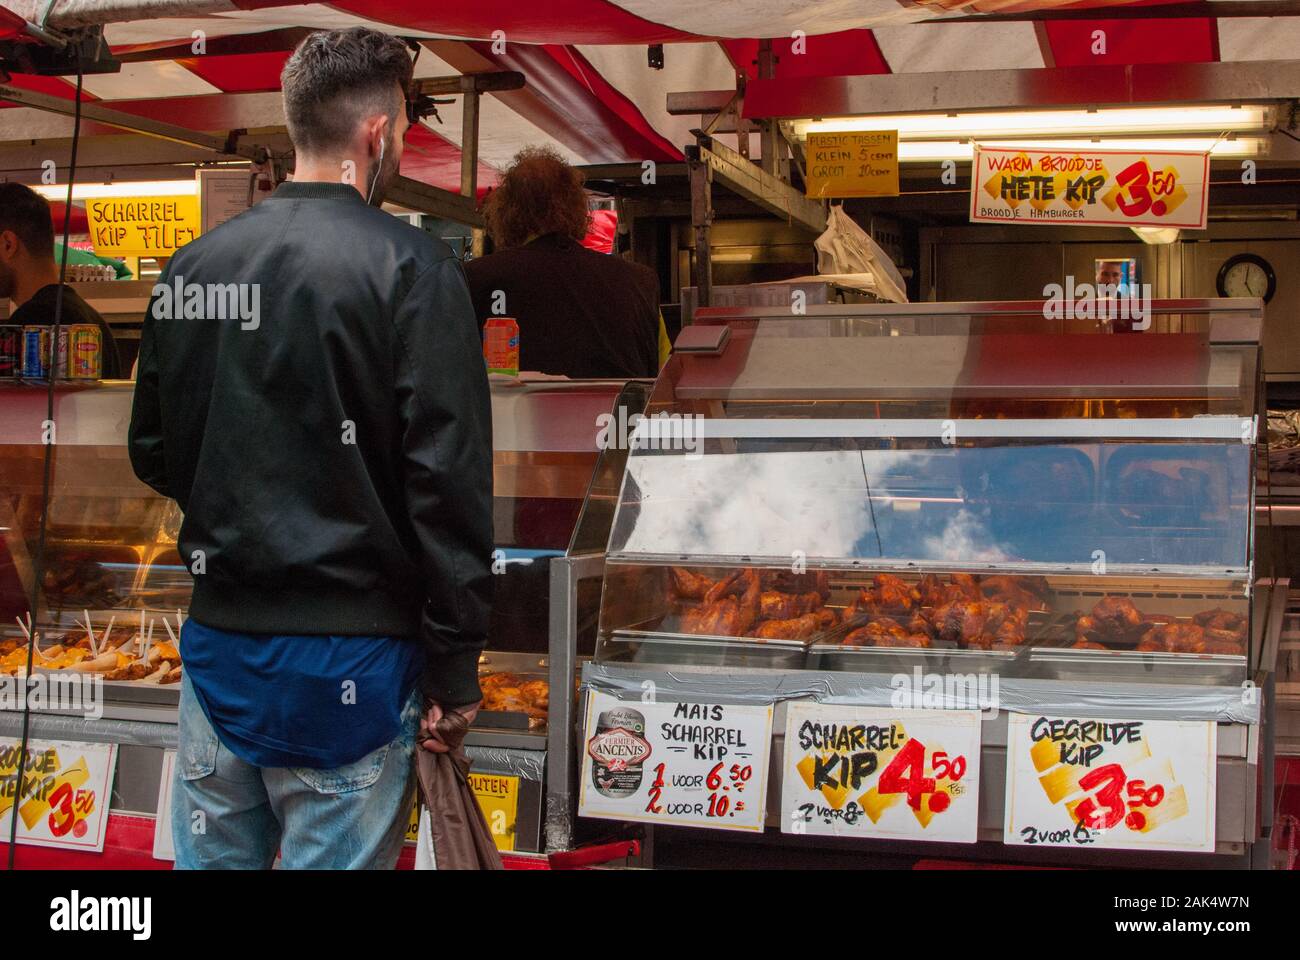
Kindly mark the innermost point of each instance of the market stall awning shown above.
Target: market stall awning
(591, 93)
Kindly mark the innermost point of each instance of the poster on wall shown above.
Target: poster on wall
(1089, 187)
(675, 763)
(65, 792)
(876, 772)
(1114, 784)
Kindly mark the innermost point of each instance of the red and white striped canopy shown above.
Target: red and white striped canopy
(590, 92)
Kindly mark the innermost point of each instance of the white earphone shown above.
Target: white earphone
(379, 168)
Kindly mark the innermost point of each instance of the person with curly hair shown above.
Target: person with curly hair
(580, 313)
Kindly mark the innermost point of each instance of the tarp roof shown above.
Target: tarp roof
(590, 92)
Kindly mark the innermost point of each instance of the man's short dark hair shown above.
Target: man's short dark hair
(337, 78)
(27, 214)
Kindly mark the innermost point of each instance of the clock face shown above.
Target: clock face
(1245, 279)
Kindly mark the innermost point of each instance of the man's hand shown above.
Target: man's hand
(429, 738)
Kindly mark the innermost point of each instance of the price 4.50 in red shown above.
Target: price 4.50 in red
(906, 774)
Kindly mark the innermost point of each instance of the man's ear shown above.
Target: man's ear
(377, 133)
(9, 245)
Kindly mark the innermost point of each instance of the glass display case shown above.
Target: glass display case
(817, 505)
(847, 492)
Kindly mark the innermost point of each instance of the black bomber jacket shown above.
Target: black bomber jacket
(325, 426)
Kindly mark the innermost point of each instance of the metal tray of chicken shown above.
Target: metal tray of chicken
(525, 666)
(702, 650)
(942, 655)
(1119, 663)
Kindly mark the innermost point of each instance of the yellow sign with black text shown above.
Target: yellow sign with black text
(142, 226)
(498, 798)
(852, 164)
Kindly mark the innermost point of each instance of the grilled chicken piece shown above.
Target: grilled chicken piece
(931, 589)
(1224, 622)
(885, 633)
(797, 628)
(688, 585)
(1116, 616)
(730, 608)
(1174, 638)
(887, 594)
(1082, 644)
(920, 626)
(135, 670)
(1028, 592)
(783, 581)
(774, 605)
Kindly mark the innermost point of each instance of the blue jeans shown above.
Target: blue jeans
(228, 814)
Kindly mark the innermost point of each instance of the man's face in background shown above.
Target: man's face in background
(1110, 274)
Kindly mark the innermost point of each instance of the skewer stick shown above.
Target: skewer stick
(171, 634)
(90, 633)
(24, 628)
(108, 632)
(148, 642)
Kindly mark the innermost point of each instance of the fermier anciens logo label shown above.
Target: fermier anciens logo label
(618, 749)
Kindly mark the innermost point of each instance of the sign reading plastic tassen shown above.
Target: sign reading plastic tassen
(853, 164)
(687, 764)
(1088, 187)
(876, 772)
(1114, 784)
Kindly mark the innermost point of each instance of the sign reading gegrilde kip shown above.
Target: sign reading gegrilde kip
(1116, 784)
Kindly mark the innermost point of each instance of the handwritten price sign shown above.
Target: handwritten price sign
(875, 772)
(691, 764)
(1121, 784)
(64, 800)
(1090, 187)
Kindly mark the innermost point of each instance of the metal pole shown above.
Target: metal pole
(701, 177)
(469, 163)
(770, 135)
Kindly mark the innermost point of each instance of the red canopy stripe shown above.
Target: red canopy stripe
(569, 108)
(827, 55)
(575, 21)
(1073, 42)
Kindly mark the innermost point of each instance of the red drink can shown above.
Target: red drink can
(501, 346)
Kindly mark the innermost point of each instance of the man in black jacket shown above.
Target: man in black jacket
(312, 393)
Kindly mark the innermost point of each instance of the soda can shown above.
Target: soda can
(11, 356)
(36, 352)
(501, 345)
(60, 352)
(85, 352)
